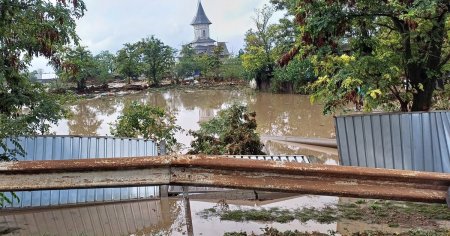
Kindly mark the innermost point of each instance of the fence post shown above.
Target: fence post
(163, 189)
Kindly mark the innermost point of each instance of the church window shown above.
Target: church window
(204, 33)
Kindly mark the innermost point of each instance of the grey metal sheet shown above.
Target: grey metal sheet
(301, 159)
(75, 147)
(124, 218)
(409, 141)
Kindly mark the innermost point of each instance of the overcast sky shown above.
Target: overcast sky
(108, 24)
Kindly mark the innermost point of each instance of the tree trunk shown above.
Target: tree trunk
(81, 85)
(417, 71)
(422, 99)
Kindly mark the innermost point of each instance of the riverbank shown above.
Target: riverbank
(123, 88)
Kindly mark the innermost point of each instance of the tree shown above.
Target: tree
(258, 59)
(127, 62)
(78, 65)
(232, 68)
(105, 62)
(30, 28)
(157, 59)
(293, 77)
(144, 121)
(188, 63)
(107, 59)
(390, 53)
(215, 60)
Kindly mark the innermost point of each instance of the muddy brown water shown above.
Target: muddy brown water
(276, 114)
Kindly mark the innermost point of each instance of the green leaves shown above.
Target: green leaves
(30, 28)
(150, 57)
(232, 132)
(259, 42)
(144, 121)
(128, 62)
(387, 54)
(157, 58)
(78, 65)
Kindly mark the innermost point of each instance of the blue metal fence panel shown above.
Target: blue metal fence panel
(74, 147)
(407, 141)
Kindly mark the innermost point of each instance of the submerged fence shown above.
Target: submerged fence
(46, 148)
(407, 141)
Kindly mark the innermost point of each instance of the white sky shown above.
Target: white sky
(108, 24)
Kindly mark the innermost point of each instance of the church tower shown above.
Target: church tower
(202, 42)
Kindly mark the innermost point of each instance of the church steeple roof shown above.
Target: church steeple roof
(200, 18)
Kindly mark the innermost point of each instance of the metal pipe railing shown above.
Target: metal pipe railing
(214, 171)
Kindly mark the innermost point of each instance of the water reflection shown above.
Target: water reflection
(277, 114)
(155, 217)
(133, 218)
(83, 120)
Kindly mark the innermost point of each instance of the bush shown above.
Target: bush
(145, 121)
(294, 77)
(232, 132)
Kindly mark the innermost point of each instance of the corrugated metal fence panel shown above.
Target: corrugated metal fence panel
(407, 141)
(299, 158)
(74, 147)
(118, 219)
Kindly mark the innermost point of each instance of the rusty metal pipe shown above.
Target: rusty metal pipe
(226, 172)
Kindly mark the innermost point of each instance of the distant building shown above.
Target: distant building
(202, 43)
(44, 78)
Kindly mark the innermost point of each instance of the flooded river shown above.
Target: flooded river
(276, 114)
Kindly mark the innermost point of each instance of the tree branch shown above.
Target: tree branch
(444, 61)
(387, 26)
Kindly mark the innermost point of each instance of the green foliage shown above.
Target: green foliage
(442, 98)
(28, 29)
(215, 65)
(269, 43)
(188, 63)
(388, 54)
(298, 73)
(78, 65)
(157, 59)
(258, 57)
(232, 132)
(106, 66)
(30, 110)
(144, 121)
(127, 62)
(232, 68)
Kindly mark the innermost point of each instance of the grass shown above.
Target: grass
(391, 213)
(269, 231)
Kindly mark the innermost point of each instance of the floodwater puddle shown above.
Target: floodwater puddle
(152, 217)
(168, 216)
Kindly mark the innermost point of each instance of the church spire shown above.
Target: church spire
(200, 18)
